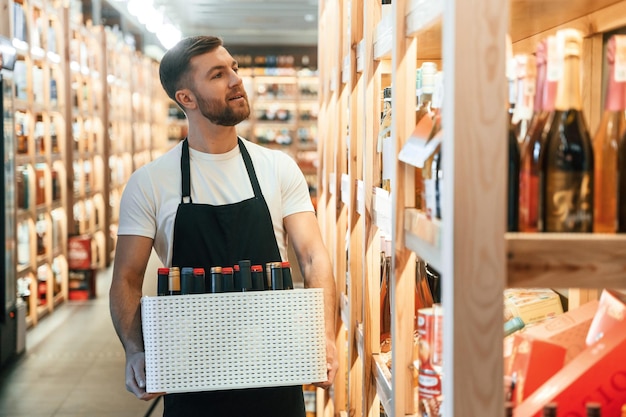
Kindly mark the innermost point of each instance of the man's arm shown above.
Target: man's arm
(304, 233)
(131, 258)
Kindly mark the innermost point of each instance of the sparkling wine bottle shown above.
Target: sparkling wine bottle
(530, 147)
(566, 159)
(606, 140)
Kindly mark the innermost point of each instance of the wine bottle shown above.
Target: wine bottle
(216, 281)
(593, 409)
(433, 147)
(228, 284)
(526, 75)
(606, 141)
(245, 277)
(425, 88)
(385, 303)
(199, 281)
(276, 276)
(385, 140)
(173, 285)
(287, 277)
(186, 280)
(258, 282)
(423, 294)
(508, 409)
(162, 281)
(549, 410)
(566, 159)
(513, 148)
(531, 145)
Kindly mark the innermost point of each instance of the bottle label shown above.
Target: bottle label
(569, 202)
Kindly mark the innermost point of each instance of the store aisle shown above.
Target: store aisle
(74, 364)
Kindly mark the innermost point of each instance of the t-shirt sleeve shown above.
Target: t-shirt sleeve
(137, 207)
(294, 188)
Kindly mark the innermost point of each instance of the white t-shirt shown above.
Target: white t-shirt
(153, 192)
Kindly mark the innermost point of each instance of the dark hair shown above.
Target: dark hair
(175, 63)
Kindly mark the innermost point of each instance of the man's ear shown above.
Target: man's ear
(186, 98)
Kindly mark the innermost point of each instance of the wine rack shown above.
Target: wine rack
(89, 110)
(381, 46)
(40, 128)
(284, 112)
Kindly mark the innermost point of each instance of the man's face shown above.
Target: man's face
(218, 88)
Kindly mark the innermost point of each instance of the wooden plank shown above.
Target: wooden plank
(530, 17)
(372, 74)
(473, 207)
(404, 58)
(601, 20)
(356, 222)
(566, 260)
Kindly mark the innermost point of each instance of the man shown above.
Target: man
(214, 199)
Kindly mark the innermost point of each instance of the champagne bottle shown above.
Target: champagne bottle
(607, 138)
(530, 147)
(526, 74)
(199, 281)
(566, 159)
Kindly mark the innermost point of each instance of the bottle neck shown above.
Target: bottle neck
(568, 95)
(539, 88)
(615, 92)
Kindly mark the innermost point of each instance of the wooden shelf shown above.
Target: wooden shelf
(566, 261)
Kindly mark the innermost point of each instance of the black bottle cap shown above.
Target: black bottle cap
(186, 280)
(245, 275)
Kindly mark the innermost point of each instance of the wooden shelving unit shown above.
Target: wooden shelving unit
(89, 110)
(380, 47)
(41, 155)
(284, 112)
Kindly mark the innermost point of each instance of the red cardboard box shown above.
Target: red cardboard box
(568, 330)
(611, 313)
(598, 374)
(531, 362)
(79, 252)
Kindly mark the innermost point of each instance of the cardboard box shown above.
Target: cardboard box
(568, 330)
(530, 362)
(598, 374)
(611, 313)
(532, 305)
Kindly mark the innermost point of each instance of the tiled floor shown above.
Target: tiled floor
(74, 365)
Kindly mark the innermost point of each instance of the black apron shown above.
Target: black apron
(205, 236)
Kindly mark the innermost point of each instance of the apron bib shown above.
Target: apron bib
(204, 236)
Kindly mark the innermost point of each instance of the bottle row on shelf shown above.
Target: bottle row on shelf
(561, 179)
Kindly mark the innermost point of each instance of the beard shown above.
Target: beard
(220, 113)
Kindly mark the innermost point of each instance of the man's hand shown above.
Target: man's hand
(136, 376)
(332, 363)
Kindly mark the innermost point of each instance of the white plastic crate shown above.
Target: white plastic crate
(208, 342)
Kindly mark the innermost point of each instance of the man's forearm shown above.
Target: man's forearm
(125, 305)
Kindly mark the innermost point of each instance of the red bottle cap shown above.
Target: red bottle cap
(198, 271)
(236, 268)
(256, 268)
(285, 264)
(227, 270)
(164, 271)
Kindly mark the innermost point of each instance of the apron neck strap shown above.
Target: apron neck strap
(186, 181)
